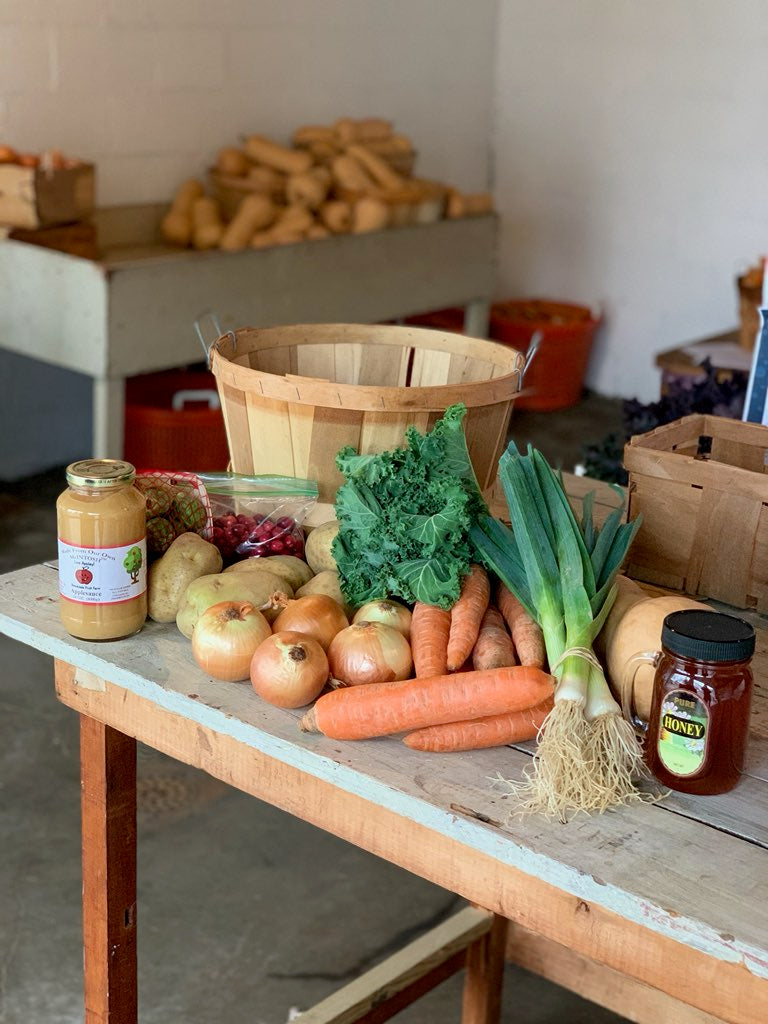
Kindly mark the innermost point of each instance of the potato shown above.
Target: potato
(187, 558)
(294, 570)
(257, 588)
(317, 547)
(326, 582)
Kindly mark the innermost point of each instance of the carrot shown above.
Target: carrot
(378, 709)
(493, 647)
(493, 731)
(526, 633)
(466, 616)
(430, 627)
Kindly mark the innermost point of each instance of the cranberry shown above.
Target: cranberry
(285, 523)
(277, 546)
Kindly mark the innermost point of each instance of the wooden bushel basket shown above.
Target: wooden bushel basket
(701, 486)
(293, 396)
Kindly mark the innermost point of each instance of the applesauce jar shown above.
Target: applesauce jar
(101, 521)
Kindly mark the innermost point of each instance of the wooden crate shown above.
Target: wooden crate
(700, 484)
(293, 396)
(31, 197)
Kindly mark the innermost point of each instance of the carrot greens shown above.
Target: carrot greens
(562, 570)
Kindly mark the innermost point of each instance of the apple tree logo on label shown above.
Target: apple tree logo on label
(682, 743)
(84, 576)
(133, 562)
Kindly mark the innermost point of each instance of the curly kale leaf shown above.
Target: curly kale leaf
(404, 517)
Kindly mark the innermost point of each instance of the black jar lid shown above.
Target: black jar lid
(708, 636)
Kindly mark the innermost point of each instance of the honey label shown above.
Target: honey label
(102, 575)
(683, 731)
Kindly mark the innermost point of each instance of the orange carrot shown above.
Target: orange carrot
(466, 616)
(430, 627)
(493, 647)
(526, 633)
(493, 731)
(378, 709)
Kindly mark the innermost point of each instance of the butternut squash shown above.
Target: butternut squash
(232, 161)
(336, 215)
(207, 225)
(634, 627)
(176, 226)
(349, 173)
(281, 158)
(376, 166)
(255, 212)
(369, 214)
(309, 189)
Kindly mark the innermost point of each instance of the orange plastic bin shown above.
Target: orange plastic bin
(173, 421)
(555, 376)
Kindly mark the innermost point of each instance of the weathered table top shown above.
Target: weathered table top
(682, 882)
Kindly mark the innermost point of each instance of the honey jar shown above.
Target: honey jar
(699, 719)
(101, 519)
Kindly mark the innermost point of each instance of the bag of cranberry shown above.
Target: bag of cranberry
(254, 516)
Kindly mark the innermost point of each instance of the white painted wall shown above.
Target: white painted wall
(151, 89)
(630, 166)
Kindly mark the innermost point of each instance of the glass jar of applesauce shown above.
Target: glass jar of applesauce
(102, 551)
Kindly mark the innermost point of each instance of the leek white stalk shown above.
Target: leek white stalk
(563, 572)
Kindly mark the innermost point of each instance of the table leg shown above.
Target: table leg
(476, 318)
(108, 413)
(108, 802)
(484, 974)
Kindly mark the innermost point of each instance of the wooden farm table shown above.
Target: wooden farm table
(657, 911)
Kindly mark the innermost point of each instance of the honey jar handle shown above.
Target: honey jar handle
(627, 687)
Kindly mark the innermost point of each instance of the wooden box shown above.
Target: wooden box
(701, 486)
(31, 197)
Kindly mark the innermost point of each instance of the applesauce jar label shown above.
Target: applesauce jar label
(103, 575)
(683, 728)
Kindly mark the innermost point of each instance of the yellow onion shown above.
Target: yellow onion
(391, 613)
(289, 669)
(315, 615)
(225, 638)
(369, 652)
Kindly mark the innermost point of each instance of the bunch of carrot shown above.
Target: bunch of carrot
(479, 679)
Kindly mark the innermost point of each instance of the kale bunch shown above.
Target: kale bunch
(404, 517)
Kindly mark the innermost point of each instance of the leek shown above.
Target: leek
(563, 570)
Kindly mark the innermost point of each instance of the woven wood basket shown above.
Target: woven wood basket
(293, 396)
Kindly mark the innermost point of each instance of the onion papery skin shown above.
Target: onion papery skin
(315, 615)
(370, 652)
(289, 669)
(225, 638)
(391, 613)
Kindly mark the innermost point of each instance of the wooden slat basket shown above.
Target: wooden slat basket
(701, 485)
(293, 396)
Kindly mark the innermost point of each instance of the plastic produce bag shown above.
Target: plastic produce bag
(176, 504)
(258, 515)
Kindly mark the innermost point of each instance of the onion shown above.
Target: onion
(289, 669)
(225, 638)
(391, 613)
(369, 652)
(315, 615)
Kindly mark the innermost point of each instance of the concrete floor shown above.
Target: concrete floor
(246, 914)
